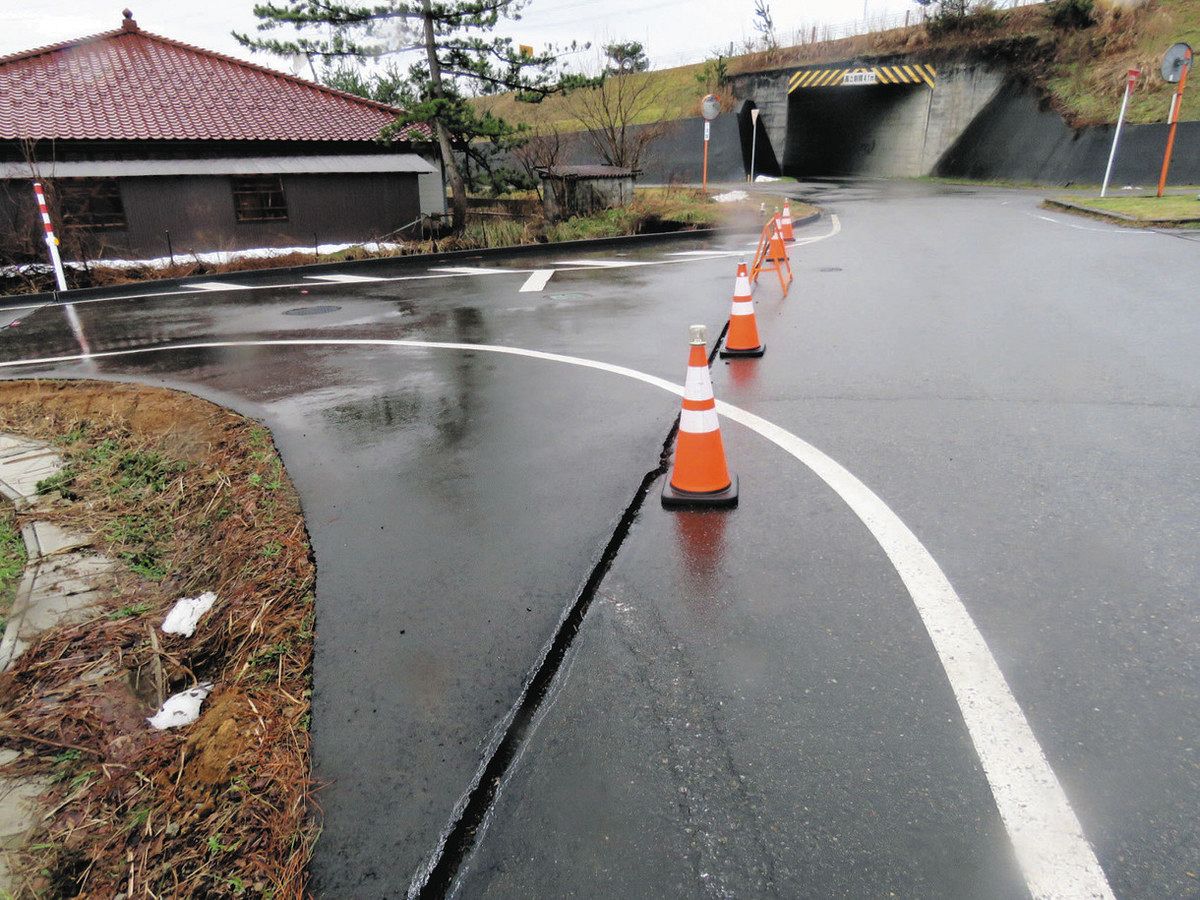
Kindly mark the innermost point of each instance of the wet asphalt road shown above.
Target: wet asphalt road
(752, 705)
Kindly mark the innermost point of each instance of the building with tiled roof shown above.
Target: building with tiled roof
(146, 142)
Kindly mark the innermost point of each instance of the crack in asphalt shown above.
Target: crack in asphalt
(436, 878)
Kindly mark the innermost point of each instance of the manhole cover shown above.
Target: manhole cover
(830, 269)
(311, 310)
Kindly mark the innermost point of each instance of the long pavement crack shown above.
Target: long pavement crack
(436, 878)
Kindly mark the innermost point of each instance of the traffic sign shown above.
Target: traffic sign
(1175, 61)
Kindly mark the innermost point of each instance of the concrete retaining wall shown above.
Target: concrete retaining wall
(678, 154)
(1018, 137)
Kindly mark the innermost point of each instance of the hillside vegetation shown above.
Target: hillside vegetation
(1082, 70)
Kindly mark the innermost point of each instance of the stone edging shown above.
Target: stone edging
(59, 585)
(1116, 217)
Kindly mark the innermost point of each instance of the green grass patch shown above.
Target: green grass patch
(12, 561)
(1171, 208)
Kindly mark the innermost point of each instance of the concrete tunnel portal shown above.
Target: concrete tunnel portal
(862, 130)
(858, 120)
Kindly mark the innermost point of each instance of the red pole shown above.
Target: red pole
(1176, 111)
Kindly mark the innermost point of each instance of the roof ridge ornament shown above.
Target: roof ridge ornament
(129, 23)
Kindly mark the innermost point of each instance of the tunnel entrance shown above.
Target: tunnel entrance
(857, 129)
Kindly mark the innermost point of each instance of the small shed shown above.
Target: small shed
(580, 190)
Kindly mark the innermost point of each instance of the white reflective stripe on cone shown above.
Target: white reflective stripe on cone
(742, 308)
(698, 421)
(742, 288)
(698, 385)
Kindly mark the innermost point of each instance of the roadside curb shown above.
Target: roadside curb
(413, 259)
(1115, 217)
(807, 220)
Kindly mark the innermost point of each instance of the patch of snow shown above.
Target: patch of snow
(186, 613)
(732, 197)
(216, 256)
(182, 708)
(766, 178)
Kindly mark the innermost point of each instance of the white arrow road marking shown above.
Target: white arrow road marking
(1051, 848)
(218, 286)
(474, 270)
(346, 279)
(536, 281)
(601, 263)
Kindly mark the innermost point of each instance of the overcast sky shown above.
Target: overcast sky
(674, 31)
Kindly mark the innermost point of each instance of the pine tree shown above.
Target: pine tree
(462, 58)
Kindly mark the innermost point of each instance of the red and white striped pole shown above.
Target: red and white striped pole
(51, 240)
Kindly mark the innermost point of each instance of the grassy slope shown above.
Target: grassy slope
(1090, 90)
(677, 94)
(1086, 81)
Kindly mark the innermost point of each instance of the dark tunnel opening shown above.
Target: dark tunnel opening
(876, 129)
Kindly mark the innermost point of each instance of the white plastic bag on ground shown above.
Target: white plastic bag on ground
(182, 708)
(731, 197)
(186, 613)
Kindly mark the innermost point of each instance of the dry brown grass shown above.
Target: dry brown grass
(192, 497)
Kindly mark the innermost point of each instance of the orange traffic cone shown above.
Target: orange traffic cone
(786, 222)
(776, 249)
(742, 339)
(700, 476)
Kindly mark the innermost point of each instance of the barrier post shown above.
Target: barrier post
(1176, 111)
(1112, 155)
(51, 241)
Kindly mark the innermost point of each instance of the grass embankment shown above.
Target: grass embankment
(1081, 70)
(190, 497)
(12, 560)
(653, 210)
(1088, 77)
(673, 94)
(1182, 209)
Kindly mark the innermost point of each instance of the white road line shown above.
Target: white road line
(474, 270)
(218, 286)
(446, 273)
(346, 279)
(1051, 848)
(1114, 230)
(536, 281)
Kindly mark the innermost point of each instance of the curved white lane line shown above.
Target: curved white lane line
(1051, 848)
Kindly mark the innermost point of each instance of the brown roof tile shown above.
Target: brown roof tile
(129, 84)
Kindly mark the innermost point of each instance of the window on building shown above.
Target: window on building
(90, 203)
(259, 198)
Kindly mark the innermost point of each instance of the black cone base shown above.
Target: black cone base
(676, 499)
(726, 353)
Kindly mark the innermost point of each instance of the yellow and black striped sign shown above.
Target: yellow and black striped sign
(847, 76)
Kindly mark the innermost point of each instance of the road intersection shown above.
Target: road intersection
(956, 614)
